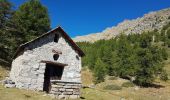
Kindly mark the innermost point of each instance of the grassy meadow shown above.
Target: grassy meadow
(126, 93)
(98, 92)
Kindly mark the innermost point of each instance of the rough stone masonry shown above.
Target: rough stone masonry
(51, 63)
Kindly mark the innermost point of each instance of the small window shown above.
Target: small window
(77, 57)
(56, 38)
(55, 56)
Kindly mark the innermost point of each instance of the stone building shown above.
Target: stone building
(51, 63)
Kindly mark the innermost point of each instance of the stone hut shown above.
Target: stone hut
(51, 63)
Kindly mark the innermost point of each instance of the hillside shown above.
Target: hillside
(149, 22)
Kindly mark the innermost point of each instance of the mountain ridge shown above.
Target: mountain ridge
(149, 22)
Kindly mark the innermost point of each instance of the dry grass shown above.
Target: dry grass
(87, 77)
(167, 64)
(167, 67)
(18, 94)
(3, 72)
(130, 93)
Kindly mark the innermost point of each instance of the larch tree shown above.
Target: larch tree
(99, 71)
(5, 27)
(31, 20)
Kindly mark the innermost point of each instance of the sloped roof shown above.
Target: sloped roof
(58, 29)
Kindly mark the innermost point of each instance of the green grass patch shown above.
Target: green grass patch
(112, 87)
(95, 94)
(128, 84)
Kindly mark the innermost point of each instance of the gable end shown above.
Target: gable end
(22, 47)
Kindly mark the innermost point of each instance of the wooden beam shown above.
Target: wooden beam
(55, 63)
(56, 51)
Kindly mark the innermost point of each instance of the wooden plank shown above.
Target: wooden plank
(55, 63)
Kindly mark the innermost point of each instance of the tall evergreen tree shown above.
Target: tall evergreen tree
(125, 52)
(5, 13)
(5, 36)
(150, 60)
(31, 20)
(114, 69)
(99, 71)
(107, 56)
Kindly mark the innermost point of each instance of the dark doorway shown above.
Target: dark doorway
(52, 72)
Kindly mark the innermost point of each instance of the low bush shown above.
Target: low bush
(112, 87)
(128, 84)
(164, 76)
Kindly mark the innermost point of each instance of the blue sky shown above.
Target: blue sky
(81, 17)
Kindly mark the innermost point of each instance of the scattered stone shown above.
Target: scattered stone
(9, 85)
(8, 81)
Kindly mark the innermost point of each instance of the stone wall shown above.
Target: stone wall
(28, 72)
(65, 90)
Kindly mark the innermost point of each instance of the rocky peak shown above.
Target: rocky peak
(149, 22)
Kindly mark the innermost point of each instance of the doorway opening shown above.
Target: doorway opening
(52, 72)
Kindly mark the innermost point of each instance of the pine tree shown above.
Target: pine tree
(114, 69)
(150, 60)
(31, 20)
(107, 59)
(99, 71)
(127, 64)
(5, 26)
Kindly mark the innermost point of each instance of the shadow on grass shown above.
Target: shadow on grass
(152, 85)
(158, 86)
(82, 97)
(146, 85)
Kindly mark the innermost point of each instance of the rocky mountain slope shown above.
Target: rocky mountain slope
(149, 22)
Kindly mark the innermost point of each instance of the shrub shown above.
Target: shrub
(128, 84)
(112, 78)
(112, 87)
(164, 76)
